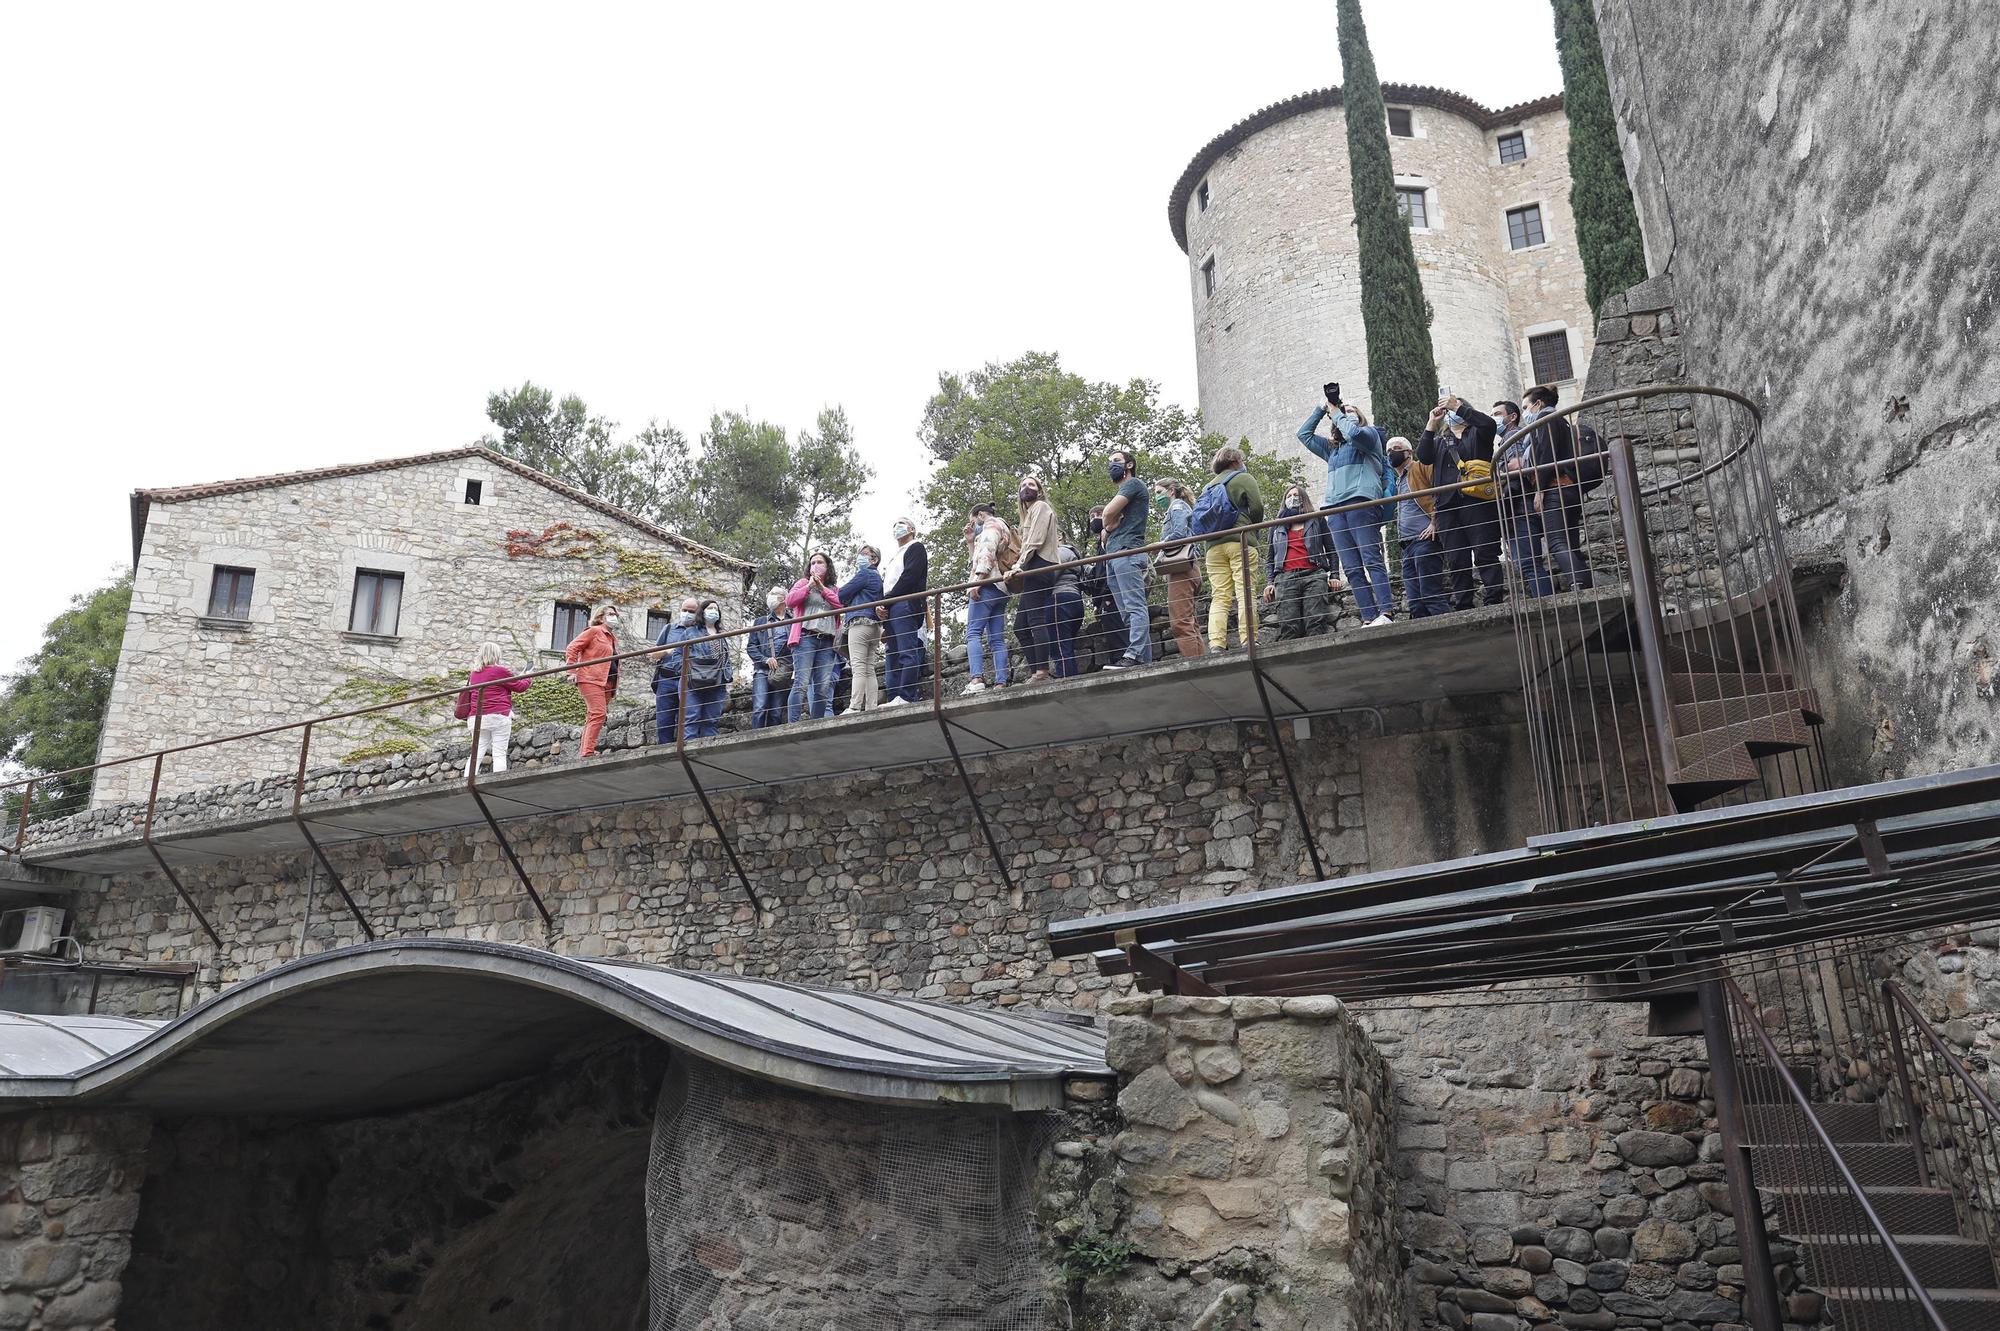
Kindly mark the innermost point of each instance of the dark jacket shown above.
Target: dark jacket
(1555, 449)
(863, 587)
(916, 571)
(764, 643)
(1442, 453)
(1319, 546)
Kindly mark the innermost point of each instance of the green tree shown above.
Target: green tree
(987, 428)
(737, 492)
(1600, 197)
(52, 708)
(563, 439)
(830, 475)
(1402, 371)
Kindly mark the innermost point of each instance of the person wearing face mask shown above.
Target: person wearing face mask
(769, 673)
(906, 572)
(1104, 640)
(1558, 487)
(1522, 523)
(1066, 602)
(596, 678)
(1457, 445)
(815, 605)
(1233, 499)
(711, 669)
(1299, 559)
(1416, 533)
(1357, 470)
(1040, 549)
(986, 611)
(667, 666)
(1125, 529)
(1179, 564)
(864, 631)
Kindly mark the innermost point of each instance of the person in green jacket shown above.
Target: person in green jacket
(1224, 558)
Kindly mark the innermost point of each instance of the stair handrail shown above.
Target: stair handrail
(1755, 1025)
(1899, 999)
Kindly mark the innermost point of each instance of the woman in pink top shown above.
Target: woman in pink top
(815, 604)
(492, 706)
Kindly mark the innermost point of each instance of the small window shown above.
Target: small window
(1524, 227)
(1201, 196)
(472, 490)
(656, 624)
(229, 593)
(1410, 203)
(378, 603)
(1399, 122)
(571, 620)
(1550, 354)
(1513, 148)
(1208, 276)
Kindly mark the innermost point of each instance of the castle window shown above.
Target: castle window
(1208, 276)
(472, 490)
(229, 593)
(1550, 354)
(1399, 122)
(1201, 196)
(1513, 148)
(572, 619)
(377, 607)
(1410, 203)
(1524, 227)
(656, 624)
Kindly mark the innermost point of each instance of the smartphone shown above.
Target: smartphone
(1445, 395)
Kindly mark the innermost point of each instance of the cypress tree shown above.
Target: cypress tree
(1607, 225)
(1402, 372)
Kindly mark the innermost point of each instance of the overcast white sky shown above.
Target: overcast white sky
(237, 240)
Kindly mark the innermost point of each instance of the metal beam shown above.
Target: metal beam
(944, 727)
(146, 835)
(506, 847)
(680, 751)
(298, 797)
(1247, 625)
(1153, 969)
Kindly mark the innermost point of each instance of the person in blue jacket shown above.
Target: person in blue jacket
(766, 649)
(711, 668)
(1357, 470)
(864, 630)
(667, 670)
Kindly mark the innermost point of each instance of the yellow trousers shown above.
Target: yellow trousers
(1224, 559)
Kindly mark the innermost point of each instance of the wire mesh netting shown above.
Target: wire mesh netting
(770, 1208)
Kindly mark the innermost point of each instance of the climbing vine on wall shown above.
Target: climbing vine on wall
(392, 731)
(610, 571)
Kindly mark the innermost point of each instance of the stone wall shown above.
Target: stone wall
(69, 1193)
(1286, 313)
(471, 573)
(1245, 1181)
(1850, 287)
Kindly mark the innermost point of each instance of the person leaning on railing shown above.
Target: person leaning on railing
(489, 697)
(596, 678)
(815, 605)
(1179, 565)
(1033, 619)
(1299, 559)
(864, 630)
(1229, 501)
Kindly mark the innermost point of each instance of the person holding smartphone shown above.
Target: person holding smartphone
(1457, 446)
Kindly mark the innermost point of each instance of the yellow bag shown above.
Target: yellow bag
(1480, 471)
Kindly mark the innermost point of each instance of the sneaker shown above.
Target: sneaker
(976, 686)
(894, 702)
(1123, 663)
(1040, 677)
(1378, 622)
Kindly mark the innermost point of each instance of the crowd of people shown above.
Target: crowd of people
(1462, 506)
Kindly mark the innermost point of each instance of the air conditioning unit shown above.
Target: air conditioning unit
(30, 931)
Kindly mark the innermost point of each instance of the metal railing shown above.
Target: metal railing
(1947, 1113)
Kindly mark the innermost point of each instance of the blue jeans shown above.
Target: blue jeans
(1066, 614)
(705, 710)
(1127, 576)
(986, 632)
(1423, 578)
(767, 705)
(905, 626)
(666, 707)
(1035, 619)
(813, 664)
(1357, 537)
(1524, 544)
(1562, 524)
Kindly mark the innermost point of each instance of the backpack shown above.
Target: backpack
(1214, 510)
(704, 665)
(1589, 459)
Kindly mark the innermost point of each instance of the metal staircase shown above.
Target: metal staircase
(1725, 715)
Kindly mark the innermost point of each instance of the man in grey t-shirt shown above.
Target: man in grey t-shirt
(1125, 529)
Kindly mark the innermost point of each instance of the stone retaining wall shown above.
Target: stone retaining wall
(69, 1194)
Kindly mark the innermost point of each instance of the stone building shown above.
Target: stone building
(1265, 214)
(257, 602)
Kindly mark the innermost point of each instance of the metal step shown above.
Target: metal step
(1942, 1261)
(1905, 1210)
(1702, 686)
(1693, 717)
(1774, 1124)
(1756, 736)
(1762, 1086)
(1873, 1163)
(1891, 1308)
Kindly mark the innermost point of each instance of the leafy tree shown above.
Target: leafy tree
(830, 475)
(52, 708)
(1600, 197)
(988, 428)
(736, 491)
(1402, 371)
(563, 439)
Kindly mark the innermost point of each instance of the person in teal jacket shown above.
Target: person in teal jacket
(1357, 470)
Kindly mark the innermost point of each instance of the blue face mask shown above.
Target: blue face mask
(1117, 470)
(1453, 418)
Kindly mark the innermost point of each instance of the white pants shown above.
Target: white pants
(494, 732)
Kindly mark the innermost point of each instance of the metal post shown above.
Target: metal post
(1246, 622)
(298, 796)
(944, 726)
(506, 847)
(146, 835)
(21, 832)
(1914, 1119)
(1645, 603)
(680, 751)
(1760, 1285)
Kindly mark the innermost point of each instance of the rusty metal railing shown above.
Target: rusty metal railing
(1948, 1114)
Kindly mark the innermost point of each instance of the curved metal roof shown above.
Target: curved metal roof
(396, 1024)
